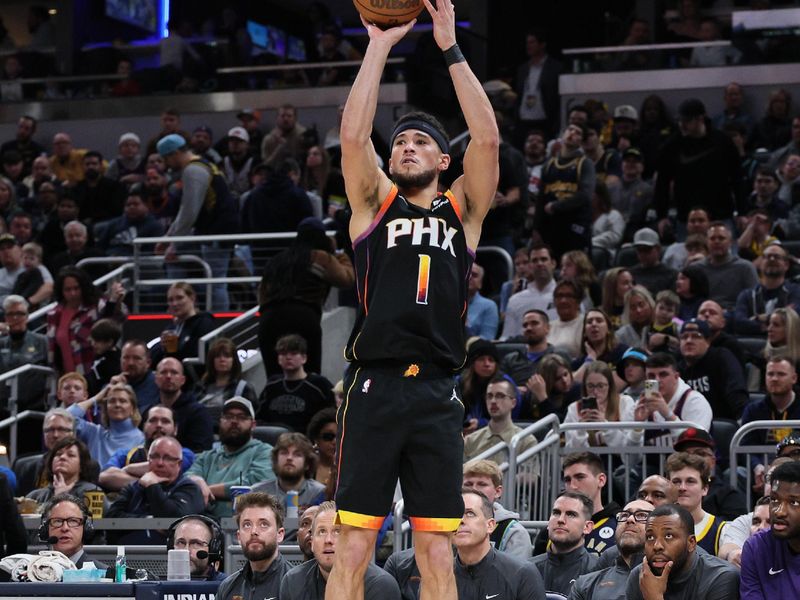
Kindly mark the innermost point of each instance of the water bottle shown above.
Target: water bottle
(120, 565)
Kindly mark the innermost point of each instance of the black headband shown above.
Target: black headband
(424, 126)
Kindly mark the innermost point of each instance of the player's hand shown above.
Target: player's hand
(391, 35)
(444, 23)
(651, 585)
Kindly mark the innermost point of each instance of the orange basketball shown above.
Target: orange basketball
(389, 13)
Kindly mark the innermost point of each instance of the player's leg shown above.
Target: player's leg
(354, 551)
(433, 552)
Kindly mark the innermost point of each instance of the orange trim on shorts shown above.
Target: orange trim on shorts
(432, 524)
(452, 197)
(345, 517)
(343, 427)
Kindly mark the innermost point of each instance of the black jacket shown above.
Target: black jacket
(720, 378)
(12, 529)
(561, 570)
(195, 428)
(247, 584)
(304, 582)
(192, 330)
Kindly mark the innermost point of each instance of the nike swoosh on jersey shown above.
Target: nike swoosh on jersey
(771, 572)
(488, 597)
(687, 159)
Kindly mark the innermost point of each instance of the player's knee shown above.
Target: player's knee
(434, 554)
(355, 549)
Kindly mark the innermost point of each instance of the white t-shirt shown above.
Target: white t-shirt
(528, 299)
(531, 109)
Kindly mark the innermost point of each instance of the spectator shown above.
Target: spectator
(56, 425)
(11, 259)
(664, 336)
(780, 155)
(755, 237)
(135, 221)
(239, 460)
(481, 368)
(68, 469)
(690, 474)
(773, 130)
(201, 144)
(650, 271)
(567, 557)
(674, 400)
(783, 330)
(608, 224)
(119, 420)
(99, 197)
(482, 314)
(691, 285)
(8, 201)
(21, 227)
(713, 314)
(536, 85)
(206, 208)
(35, 283)
(727, 274)
(322, 433)
(563, 210)
(788, 175)
(71, 389)
(714, 372)
(521, 365)
(104, 336)
(129, 464)
(578, 266)
(565, 333)
(637, 317)
(535, 155)
(250, 119)
(520, 280)
(194, 533)
(709, 181)
(553, 388)
(713, 56)
(765, 551)
(635, 194)
(631, 369)
(733, 111)
(293, 289)
(286, 138)
(293, 397)
(509, 536)
(501, 399)
(721, 500)
(195, 428)
(764, 196)
(67, 520)
(673, 568)
(52, 234)
(607, 162)
(128, 167)
(657, 490)
(322, 181)
(599, 343)
(259, 521)
(307, 581)
(170, 120)
(238, 162)
(304, 526)
(616, 283)
(66, 162)
(76, 241)
(480, 564)
(329, 43)
(608, 406)
(223, 378)
(40, 173)
(188, 325)
(629, 536)
(538, 294)
(24, 143)
(12, 170)
(293, 463)
(70, 322)
(755, 305)
(655, 128)
(697, 223)
(161, 492)
(135, 372)
(18, 347)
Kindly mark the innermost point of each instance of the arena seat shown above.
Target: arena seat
(723, 430)
(504, 348)
(601, 259)
(269, 433)
(626, 257)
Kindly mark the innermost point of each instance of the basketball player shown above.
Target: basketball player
(414, 247)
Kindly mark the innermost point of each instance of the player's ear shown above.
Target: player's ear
(444, 162)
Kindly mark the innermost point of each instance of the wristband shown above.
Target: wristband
(588, 359)
(453, 55)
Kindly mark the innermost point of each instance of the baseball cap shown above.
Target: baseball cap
(7, 238)
(310, 224)
(694, 437)
(646, 237)
(249, 113)
(481, 347)
(204, 129)
(626, 111)
(128, 137)
(240, 133)
(696, 325)
(691, 108)
(636, 354)
(170, 143)
(632, 153)
(241, 403)
(789, 440)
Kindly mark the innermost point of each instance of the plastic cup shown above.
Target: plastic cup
(170, 339)
(238, 490)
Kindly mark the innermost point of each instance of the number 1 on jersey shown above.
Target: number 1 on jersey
(423, 278)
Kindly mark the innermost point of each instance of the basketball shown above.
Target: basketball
(389, 13)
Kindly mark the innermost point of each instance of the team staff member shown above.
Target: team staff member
(413, 251)
(205, 542)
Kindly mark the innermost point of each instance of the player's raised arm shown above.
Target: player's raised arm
(476, 188)
(366, 184)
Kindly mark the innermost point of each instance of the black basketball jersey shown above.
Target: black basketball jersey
(412, 266)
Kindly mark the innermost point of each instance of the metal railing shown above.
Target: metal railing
(528, 480)
(747, 454)
(11, 378)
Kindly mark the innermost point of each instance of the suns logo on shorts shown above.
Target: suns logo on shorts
(411, 371)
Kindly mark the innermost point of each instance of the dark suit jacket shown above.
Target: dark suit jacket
(14, 538)
(548, 86)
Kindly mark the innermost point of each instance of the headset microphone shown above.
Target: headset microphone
(202, 554)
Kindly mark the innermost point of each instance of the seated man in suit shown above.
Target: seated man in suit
(65, 523)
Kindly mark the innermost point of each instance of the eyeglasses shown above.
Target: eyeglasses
(238, 418)
(596, 386)
(73, 522)
(193, 544)
(16, 314)
(249, 525)
(497, 396)
(327, 437)
(52, 430)
(166, 459)
(639, 515)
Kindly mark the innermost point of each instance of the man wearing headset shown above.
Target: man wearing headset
(204, 540)
(66, 523)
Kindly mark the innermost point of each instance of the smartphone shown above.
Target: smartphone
(650, 387)
(589, 402)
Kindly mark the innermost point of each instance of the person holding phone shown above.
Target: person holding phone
(602, 403)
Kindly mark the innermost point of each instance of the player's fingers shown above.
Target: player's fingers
(430, 7)
(667, 569)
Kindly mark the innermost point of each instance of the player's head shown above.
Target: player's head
(669, 536)
(420, 150)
